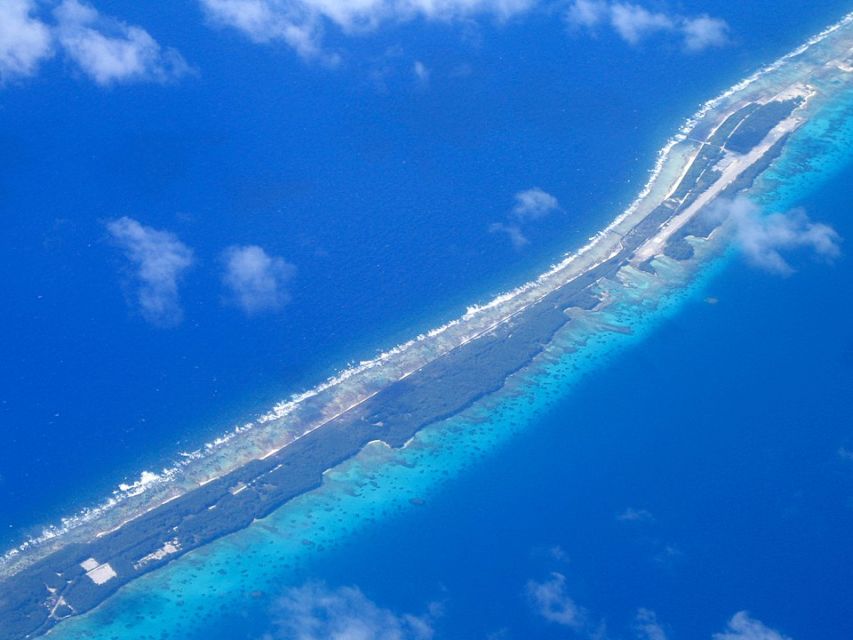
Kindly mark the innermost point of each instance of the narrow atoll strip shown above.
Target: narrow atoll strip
(645, 256)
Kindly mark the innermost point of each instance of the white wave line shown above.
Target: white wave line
(284, 408)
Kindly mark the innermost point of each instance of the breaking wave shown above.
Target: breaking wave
(304, 412)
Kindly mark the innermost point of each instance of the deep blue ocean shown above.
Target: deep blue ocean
(680, 479)
(734, 458)
(722, 430)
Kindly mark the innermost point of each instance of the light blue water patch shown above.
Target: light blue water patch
(819, 151)
(190, 595)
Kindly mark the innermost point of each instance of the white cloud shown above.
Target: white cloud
(159, 260)
(647, 626)
(763, 238)
(558, 553)
(743, 627)
(704, 32)
(513, 232)
(316, 612)
(587, 13)
(301, 23)
(422, 73)
(635, 23)
(256, 280)
(530, 205)
(845, 454)
(110, 51)
(105, 49)
(25, 41)
(268, 20)
(533, 204)
(550, 600)
(635, 515)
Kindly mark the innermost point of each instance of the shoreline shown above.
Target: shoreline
(538, 308)
(285, 408)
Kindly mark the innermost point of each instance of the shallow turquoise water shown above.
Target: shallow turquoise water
(197, 596)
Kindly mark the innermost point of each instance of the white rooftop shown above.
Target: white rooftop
(102, 573)
(89, 564)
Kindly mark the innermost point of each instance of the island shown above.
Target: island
(226, 486)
